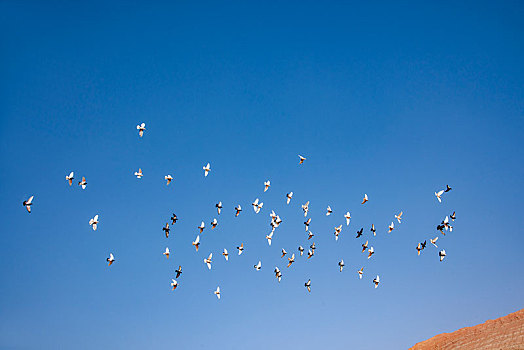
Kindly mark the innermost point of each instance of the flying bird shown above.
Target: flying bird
(278, 274)
(196, 242)
(201, 227)
(238, 209)
(214, 224)
(283, 253)
(174, 284)
(438, 195)
(174, 219)
(376, 281)
(310, 253)
(83, 183)
(442, 254)
(348, 218)
(267, 184)
(258, 266)
(291, 260)
(310, 235)
(217, 293)
(219, 207)
(398, 217)
(338, 229)
(257, 206)
(141, 129)
(447, 188)
(373, 229)
(139, 173)
(452, 216)
(179, 271)
(269, 238)
(111, 259)
(441, 229)
(94, 222)
(206, 169)
(28, 203)
(360, 272)
(419, 248)
(166, 229)
(364, 246)
(359, 232)
(70, 178)
(166, 253)
(241, 248)
(312, 246)
(302, 159)
(168, 178)
(305, 208)
(208, 260)
(307, 222)
(329, 211)
(365, 198)
(300, 250)
(434, 241)
(308, 285)
(371, 251)
(391, 227)
(225, 254)
(289, 196)
(341, 264)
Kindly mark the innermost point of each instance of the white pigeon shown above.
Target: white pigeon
(365, 198)
(338, 229)
(434, 241)
(168, 178)
(267, 184)
(174, 284)
(214, 223)
(399, 217)
(289, 196)
(283, 253)
(306, 223)
(371, 251)
(196, 243)
(360, 272)
(442, 254)
(70, 178)
(94, 222)
(329, 211)
(241, 248)
(111, 259)
(348, 218)
(269, 238)
(225, 254)
(305, 208)
(217, 293)
(238, 209)
(391, 227)
(308, 285)
(201, 227)
(141, 129)
(291, 260)
(139, 173)
(301, 250)
(341, 264)
(310, 253)
(376, 281)
(438, 195)
(207, 169)
(257, 206)
(28, 203)
(302, 159)
(309, 235)
(166, 253)
(219, 207)
(208, 260)
(258, 266)
(83, 183)
(278, 274)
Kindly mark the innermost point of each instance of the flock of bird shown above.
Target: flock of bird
(275, 222)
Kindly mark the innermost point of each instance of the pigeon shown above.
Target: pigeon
(267, 184)
(219, 207)
(359, 232)
(441, 229)
(419, 248)
(302, 159)
(196, 243)
(257, 206)
(289, 196)
(307, 222)
(28, 203)
(94, 222)
(201, 227)
(341, 264)
(308, 285)
(310, 235)
(310, 253)
(398, 217)
(391, 227)
(365, 199)
(452, 216)
(301, 250)
(348, 218)
(70, 178)
(238, 209)
(337, 232)
(166, 229)
(217, 293)
(446, 224)
(442, 254)
(139, 173)
(364, 246)
(376, 281)
(174, 219)
(174, 284)
(329, 211)
(206, 169)
(179, 271)
(291, 260)
(434, 241)
(423, 245)
(283, 253)
(447, 188)
(373, 229)
(258, 266)
(312, 246)
(208, 260)
(360, 272)
(83, 183)
(438, 195)
(141, 129)
(225, 254)
(241, 248)
(269, 238)
(371, 251)
(168, 178)
(214, 224)
(166, 253)
(111, 259)
(278, 274)
(305, 208)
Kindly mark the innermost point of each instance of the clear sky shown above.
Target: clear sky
(395, 100)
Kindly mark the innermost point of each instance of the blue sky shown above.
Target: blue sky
(395, 100)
